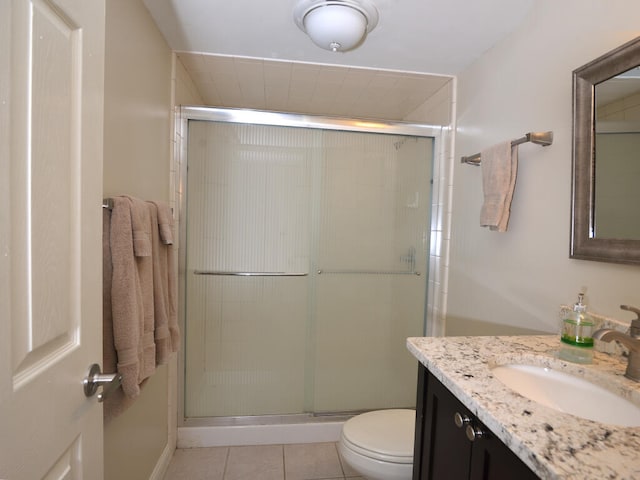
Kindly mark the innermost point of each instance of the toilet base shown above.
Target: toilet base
(373, 469)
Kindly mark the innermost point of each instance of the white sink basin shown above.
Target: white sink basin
(567, 393)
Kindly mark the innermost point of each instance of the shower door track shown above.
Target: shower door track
(287, 419)
(258, 117)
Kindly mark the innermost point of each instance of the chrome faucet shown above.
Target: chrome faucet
(631, 341)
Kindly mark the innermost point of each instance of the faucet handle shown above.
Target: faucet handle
(634, 329)
(629, 308)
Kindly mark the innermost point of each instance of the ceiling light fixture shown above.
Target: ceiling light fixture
(338, 25)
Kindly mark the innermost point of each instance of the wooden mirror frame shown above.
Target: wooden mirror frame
(583, 243)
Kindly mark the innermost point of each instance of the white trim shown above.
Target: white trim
(163, 463)
(223, 436)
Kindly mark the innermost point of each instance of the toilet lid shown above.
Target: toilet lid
(386, 435)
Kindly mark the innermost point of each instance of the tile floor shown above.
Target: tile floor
(309, 461)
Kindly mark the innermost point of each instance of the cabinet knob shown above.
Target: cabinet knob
(474, 432)
(461, 420)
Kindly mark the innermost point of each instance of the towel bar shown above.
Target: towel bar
(295, 274)
(368, 272)
(107, 203)
(539, 138)
(249, 274)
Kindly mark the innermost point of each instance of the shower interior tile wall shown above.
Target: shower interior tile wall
(371, 194)
(440, 232)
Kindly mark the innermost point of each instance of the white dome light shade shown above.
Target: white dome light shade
(336, 25)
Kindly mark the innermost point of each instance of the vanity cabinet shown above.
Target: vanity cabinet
(453, 444)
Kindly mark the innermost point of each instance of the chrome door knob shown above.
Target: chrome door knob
(95, 378)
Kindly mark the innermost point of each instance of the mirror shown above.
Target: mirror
(606, 157)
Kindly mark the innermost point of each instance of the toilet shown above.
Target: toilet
(379, 444)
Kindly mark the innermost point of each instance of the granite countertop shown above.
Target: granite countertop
(551, 443)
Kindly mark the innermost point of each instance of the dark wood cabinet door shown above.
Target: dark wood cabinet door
(493, 460)
(443, 451)
(447, 451)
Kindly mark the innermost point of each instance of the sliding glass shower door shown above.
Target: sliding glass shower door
(370, 287)
(305, 268)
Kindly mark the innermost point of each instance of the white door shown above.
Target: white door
(51, 114)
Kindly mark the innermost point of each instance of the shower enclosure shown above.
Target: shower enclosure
(304, 251)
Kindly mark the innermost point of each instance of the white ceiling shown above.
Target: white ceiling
(415, 43)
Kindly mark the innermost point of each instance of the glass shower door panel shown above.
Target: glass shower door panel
(373, 240)
(246, 340)
(248, 224)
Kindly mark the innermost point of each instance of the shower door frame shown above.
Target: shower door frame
(185, 114)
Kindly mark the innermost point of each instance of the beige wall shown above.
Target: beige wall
(137, 103)
(137, 162)
(523, 84)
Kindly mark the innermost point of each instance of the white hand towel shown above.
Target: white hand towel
(499, 165)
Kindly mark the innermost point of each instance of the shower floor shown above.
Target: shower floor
(307, 461)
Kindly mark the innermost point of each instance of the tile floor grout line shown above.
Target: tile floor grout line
(325, 454)
(344, 474)
(226, 463)
(284, 464)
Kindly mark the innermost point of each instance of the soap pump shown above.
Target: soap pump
(577, 334)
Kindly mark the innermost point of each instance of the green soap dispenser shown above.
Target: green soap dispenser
(577, 334)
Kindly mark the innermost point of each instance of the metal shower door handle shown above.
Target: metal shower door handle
(95, 378)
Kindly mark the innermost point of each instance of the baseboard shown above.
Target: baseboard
(163, 463)
(224, 436)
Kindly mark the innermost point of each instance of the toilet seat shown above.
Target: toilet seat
(383, 435)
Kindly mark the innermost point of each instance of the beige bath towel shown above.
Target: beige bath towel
(139, 306)
(116, 402)
(164, 283)
(140, 228)
(143, 227)
(109, 356)
(165, 222)
(126, 298)
(499, 165)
